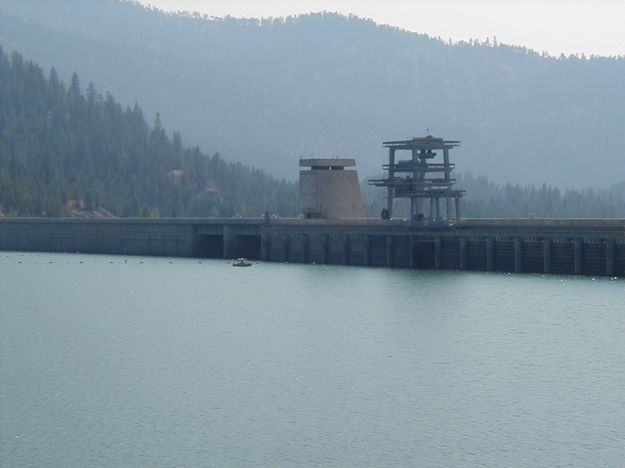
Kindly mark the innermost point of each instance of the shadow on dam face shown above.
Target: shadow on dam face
(210, 246)
(247, 246)
(423, 254)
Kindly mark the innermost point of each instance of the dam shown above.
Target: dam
(560, 246)
(332, 228)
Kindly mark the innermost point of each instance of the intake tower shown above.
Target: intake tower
(421, 177)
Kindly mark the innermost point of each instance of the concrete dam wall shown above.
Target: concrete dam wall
(587, 247)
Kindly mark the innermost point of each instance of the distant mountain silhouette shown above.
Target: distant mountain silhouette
(266, 92)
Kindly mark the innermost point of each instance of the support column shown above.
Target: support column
(413, 200)
(417, 179)
(463, 253)
(438, 208)
(391, 175)
(305, 249)
(389, 250)
(490, 254)
(610, 248)
(432, 209)
(518, 255)
(437, 252)
(457, 202)
(547, 255)
(578, 256)
(447, 178)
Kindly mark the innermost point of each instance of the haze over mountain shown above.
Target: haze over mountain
(555, 26)
(268, 92)
(68, 153)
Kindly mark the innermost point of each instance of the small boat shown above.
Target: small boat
(241, 262)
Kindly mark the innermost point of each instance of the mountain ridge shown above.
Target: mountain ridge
(267, 92)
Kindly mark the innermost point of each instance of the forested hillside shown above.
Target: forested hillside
(65, 152)
(266, 92)
(486, 199)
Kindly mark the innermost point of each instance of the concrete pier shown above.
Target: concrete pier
(463, 253)
(389, 250)
(559, 246)
(578, 256)
(518, 252)
(547, 255)
(437, 252)
(490, 254)
(609, 256)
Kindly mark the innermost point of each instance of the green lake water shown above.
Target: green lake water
(139, 361)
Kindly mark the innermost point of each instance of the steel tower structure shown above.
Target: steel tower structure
(421, 177)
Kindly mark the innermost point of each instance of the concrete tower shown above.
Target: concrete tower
(327, 190)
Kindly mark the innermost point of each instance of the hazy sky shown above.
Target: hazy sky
(569, 26)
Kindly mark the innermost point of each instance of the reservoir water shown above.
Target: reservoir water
(114, 361)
